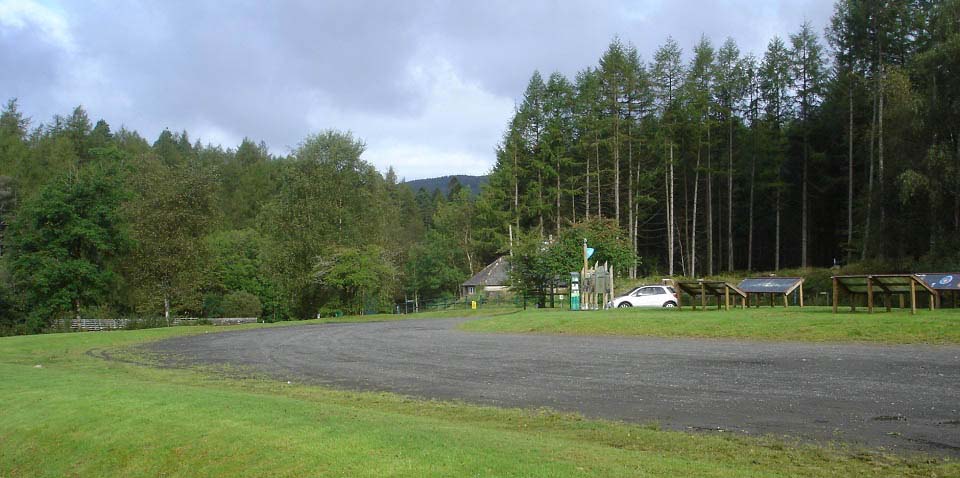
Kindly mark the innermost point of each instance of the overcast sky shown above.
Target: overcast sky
(428, 85)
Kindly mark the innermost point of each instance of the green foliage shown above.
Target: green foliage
(241, 304)
(237, 265)
(63, 242)
(538, 264)
(170, 217)
(603, 236)
(329, 198)
(359, 276)
(432, 268)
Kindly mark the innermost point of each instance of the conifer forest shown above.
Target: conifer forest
(827, 148)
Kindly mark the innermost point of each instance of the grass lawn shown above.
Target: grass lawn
(813, 324)
(66, 412)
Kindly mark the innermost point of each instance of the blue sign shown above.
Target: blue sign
(942, 281)
(589, 252)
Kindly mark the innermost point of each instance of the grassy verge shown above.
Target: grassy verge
(78, 415)
(813, 324)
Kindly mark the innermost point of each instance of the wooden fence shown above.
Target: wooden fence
(115, 324)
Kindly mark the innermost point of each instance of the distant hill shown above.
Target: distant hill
(431, 184)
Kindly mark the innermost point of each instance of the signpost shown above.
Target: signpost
(574, 291)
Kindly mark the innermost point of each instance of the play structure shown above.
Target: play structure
(886, 285)
(595, 287)
(701, 289)
(772, 287)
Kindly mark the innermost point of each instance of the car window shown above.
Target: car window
(672, 290)
(647, 291)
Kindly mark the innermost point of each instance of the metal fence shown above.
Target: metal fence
(465, 303)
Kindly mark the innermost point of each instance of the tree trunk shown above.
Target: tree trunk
(516, 190)
(558, 197)
(850, 171)
(540, 199)
(616, 165)
(803, 202)
(166, 308)
(635, 220)
(693, 233)
(586, 211)
(730, 200)
(753, 170)
(670, 215)
(709, 204)
(630, 213)
(776, 248)
(880, 180)
(870, 175)
(685, 233)
(597, 149)
(469, 256)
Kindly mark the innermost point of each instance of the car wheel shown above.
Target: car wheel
(670, 304)
(623, 304)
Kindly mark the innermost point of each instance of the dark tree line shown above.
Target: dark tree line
(836, 147)
(842, 147)
(101, 223)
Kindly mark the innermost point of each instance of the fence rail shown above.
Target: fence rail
(116, 324)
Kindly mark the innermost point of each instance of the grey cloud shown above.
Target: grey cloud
(277, 71)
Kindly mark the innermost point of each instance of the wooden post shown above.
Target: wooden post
(836, 295)
(726, 296)
(933, 300)
(679, 295)
(610, 293)
(886, 300)
(869, 295)
(913, 297)
(786, 303)
(703, 296)
(901, 300)
(801, 294)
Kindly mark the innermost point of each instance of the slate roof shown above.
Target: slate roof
(496, 273)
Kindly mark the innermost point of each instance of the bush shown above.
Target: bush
(212, 305)
(241, 304)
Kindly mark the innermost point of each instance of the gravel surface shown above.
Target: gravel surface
(902, 398)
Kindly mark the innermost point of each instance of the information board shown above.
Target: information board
(770, 285)
(942, 281)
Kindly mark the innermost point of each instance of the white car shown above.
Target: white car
(648, 296)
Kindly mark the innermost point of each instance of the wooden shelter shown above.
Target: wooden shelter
(943, 284)
(886, 285)
(772, 287)
(702, 289)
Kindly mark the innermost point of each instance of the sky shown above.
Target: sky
(429, 86)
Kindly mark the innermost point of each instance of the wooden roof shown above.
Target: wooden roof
(694, 288)
(770, 285)
(886, 283)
